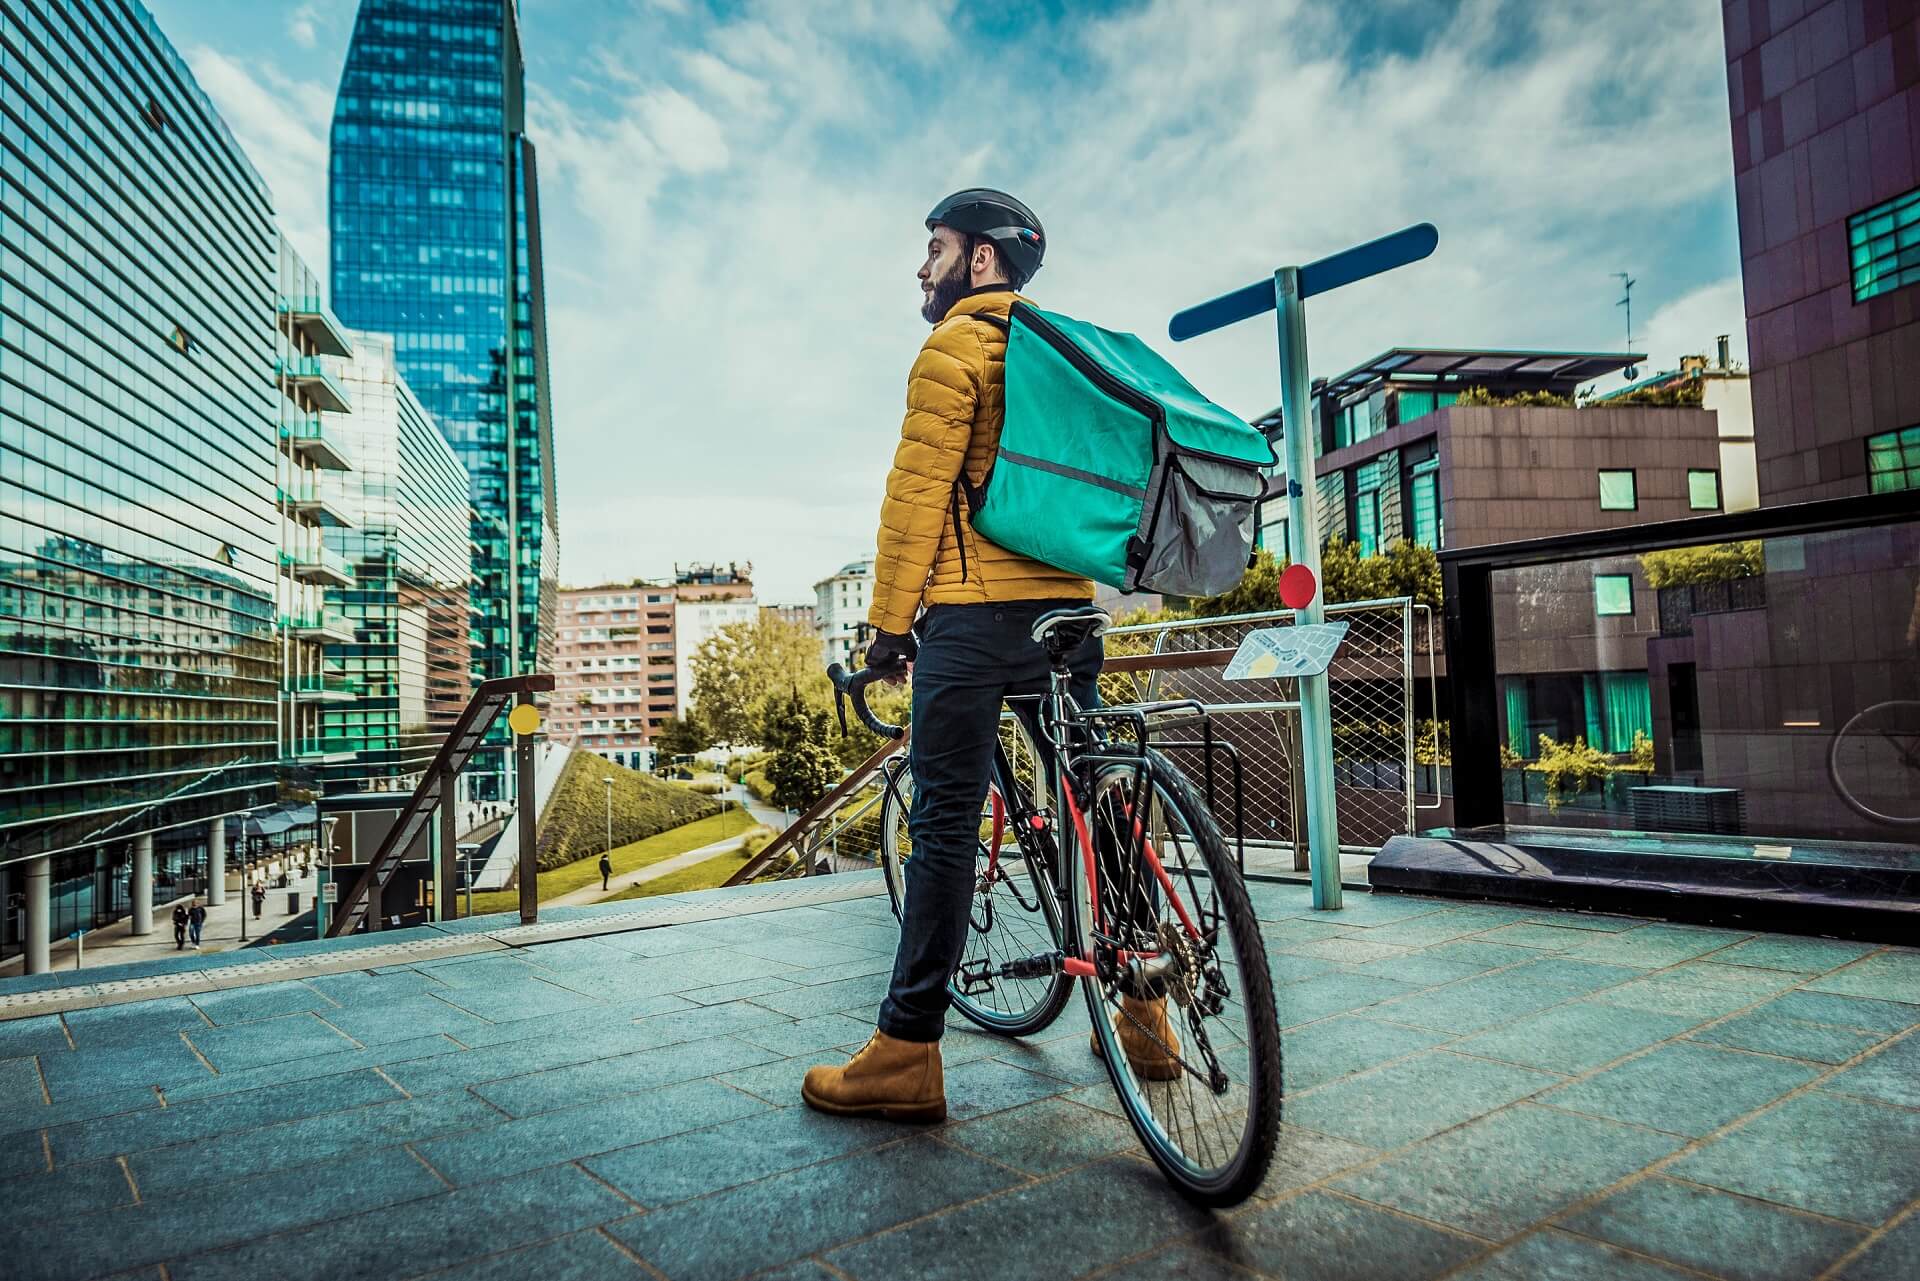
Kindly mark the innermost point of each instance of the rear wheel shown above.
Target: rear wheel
(1182, 1004)
(1012, 914)
(1875, 763)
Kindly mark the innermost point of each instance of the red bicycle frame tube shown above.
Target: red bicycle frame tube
(999, 827)
(1160, 872)
(1086, 846)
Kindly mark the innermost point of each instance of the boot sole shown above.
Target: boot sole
(915, 1113)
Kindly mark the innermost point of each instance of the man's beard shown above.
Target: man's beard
(947, 291)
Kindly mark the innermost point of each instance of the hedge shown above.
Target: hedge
(574, 824)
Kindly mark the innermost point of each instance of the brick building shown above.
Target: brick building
(615, 684)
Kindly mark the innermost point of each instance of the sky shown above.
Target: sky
(734, 196)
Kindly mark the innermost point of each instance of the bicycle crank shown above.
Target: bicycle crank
(978, 978)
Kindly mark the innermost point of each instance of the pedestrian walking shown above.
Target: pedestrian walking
(606, 871)
(259, 898)
(196, 920)
(179, 928)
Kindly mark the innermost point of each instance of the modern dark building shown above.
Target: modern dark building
(139, 675)
(405, 597)
(435, 223)
(1825, 101)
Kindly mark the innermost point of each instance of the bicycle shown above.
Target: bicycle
(1874, 763)
(1141, 902)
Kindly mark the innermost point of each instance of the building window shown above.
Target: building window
(1366, 522)
(1884, 242)
(1703, 491)
(154, 115)
(1425, 492)
(1893, 461)
(179, 340)
(1617, 492)
(1612, 595)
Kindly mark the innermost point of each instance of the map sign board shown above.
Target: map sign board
(1278, 653)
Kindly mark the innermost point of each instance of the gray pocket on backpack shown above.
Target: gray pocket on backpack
(1201, 526)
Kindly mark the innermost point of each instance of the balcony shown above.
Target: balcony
(311, 319)
(315, 509)
(327, 687)
(308, 440)
(325, 626)
(306, 375)
(323, 568)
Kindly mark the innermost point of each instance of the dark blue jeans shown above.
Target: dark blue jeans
(971, 658)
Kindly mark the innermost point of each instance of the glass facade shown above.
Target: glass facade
(139, 679)
(1893, 460)
(434, 212)
(1884, 245)
(404, 677)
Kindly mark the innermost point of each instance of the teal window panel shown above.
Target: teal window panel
(1703, 491)
(1883, 245)
(1612, 595)
(1618, 492)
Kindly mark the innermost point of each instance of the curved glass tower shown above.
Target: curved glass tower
(435, 221)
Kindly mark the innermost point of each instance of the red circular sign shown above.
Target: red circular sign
(1297, 587)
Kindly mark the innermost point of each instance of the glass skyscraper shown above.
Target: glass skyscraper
(434, 216)
(139, 679)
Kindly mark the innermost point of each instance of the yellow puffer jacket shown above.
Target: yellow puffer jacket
(956, 401)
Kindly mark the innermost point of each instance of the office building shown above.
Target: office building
(614, 682)
(403, 587)
(1825, 100)
(1724, 391)
(139, 504)
(435, 222)
(840, 602)
(791, 615)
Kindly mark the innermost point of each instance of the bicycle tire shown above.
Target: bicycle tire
(1038, 1002)
(1837, 775)
(1231, 1180)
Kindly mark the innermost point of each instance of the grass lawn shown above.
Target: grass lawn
(704, 875)
(584, 872)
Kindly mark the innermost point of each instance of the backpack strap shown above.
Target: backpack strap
(974, 494)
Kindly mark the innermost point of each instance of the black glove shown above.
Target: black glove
(890, 650)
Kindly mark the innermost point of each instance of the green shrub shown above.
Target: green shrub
(1472, 396)
(756, 781)
(1714, 563)
(1569, 768)
(707, 788)
(574, 824)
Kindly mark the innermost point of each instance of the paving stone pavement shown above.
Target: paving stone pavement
(1475, 1091)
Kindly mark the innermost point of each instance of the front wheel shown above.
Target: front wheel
(1182, 1001)
(1874, 763)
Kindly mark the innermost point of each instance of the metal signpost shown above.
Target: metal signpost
(1286, 295)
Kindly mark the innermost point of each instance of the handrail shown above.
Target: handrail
(821, 808)
(434, 792)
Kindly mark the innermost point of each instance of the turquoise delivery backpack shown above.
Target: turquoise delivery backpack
(1113, 466)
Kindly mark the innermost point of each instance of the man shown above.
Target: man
(975, 641)
(196, 919)
(606, 871)
(259, 893)
(179, 927)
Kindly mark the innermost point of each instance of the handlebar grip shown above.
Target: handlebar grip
(853, 685)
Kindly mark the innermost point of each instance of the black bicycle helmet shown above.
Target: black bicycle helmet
(996, 217)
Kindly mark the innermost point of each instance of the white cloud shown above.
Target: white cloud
(1689, 326)
(302, 25)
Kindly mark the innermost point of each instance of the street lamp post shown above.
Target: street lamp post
(608, 780)
(246, 883)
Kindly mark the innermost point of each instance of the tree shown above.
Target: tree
(1714, 563)
(740, 667)
(790, 719)
(683, 736)
(1406, 569)
(802, 774)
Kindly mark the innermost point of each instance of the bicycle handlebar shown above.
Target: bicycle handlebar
(853, 685)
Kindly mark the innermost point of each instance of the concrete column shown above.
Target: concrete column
(39, 913)
(142, 888)
(217, 862)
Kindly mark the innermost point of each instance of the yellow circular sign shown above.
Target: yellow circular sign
(524, 719)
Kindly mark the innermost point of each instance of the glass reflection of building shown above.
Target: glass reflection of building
(406, 597)
(138, 673)
(436, 240)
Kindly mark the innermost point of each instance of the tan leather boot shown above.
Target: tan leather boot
(1145, 1055)
(889, 1078)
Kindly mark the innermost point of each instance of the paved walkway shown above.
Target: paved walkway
(116, 944)
(651, 872)
(1476, 1092)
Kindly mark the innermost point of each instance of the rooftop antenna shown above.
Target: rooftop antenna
(1626, 300)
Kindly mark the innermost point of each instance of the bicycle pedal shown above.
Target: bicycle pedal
(975, 979)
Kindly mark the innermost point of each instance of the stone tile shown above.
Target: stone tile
(1572, 976)
(872, 963)
(20, 1120)
(1286, 935)
(1886, 976)
(1590, 921)
(120, 1067)
(1321, 1052)
(404, 1018)
(81, 1189)
(434, 1232)
(1443, 926)
(120, 1025)
(1844, 1158)
(1558, 1256)
(588, 1021)
(723, 1156)
(1180, 1263)
(1725, 1235)
(585, 1130)
(1863, 1013)
(1482, 956)
(1372, 1107)
(1751, 979)
(574, 954)
(487, 970)
(273, 1040)
(359, 987)
(1279, 901)
(985, 1085)
(1335, 993)
(23, 1155)
(722, 993)
(1290, 967)
(1471, 1004)
(1683, 1088)
(605, 1078)
(204, 1118)
(1894, 1257)
(1351, 1241)
(42, 1035)
(884, 939)
(1372, 908)
(809, 952)
(1794, 1038)
(316, 1068)
(1664, 994)
(1801, 955)
(526, 999)
(698, 1023)
(1421, 969)
(805, 1036)
(1575, 1038)
(578, 1256)
(1501, 1173)
(1043, 1137)
(1347, 951)
(778, 1082)
(1550, 938)
(246, 1004)
(1654, 947)
(789, 1216)
(1070, 1058)
(1302, 1156)
(20, 1085)
(1117, 1205)
(1891, 1076)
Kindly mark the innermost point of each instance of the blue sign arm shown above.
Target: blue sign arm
(1335, 270)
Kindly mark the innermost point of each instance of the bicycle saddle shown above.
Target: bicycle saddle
(1064, 630)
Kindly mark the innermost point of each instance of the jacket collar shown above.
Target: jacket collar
(996, 299)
